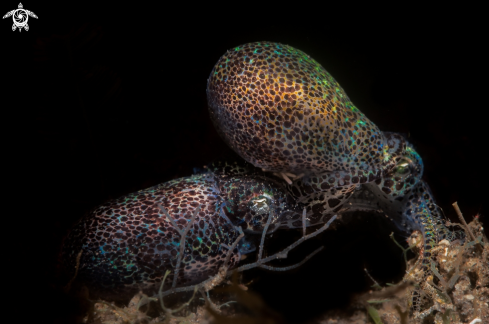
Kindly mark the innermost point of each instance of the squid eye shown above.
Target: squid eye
(403, 169)
(260, 205)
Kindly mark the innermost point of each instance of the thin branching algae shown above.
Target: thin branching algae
(455, 290)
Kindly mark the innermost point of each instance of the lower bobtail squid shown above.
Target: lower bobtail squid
(195, 226)
(312, 156)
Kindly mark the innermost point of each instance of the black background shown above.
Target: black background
(103, 100)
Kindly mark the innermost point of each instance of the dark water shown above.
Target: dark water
(106, 100)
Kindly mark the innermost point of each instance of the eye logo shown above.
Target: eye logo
(20, 17)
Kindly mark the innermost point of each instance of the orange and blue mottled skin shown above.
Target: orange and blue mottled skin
(128, 243)
(282, 111)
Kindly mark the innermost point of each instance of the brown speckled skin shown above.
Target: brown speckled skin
(128, 243)
(282, 111)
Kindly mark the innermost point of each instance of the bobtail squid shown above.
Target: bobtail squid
(196, 227)
(281, 111)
